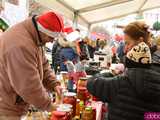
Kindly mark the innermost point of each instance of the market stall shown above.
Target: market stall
(75, 102)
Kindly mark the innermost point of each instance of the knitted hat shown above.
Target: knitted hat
(51, 24)
(140, 54)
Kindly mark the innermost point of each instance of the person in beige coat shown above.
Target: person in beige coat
(25, 74)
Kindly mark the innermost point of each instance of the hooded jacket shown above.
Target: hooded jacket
(156, 57)
(130, 96)
(25, 74)
(156, 61)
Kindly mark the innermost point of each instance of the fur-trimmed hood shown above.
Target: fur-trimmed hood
(64, 43)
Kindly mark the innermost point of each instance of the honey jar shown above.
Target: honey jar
(87, 114)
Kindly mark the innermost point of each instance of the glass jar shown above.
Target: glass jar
(70, 98)
(82, 82)
(58, 115)
(87, 114)
(67, 108)
(78, 108)
(81, 93)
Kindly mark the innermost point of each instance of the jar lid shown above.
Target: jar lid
(77, 118)
(70, 94)
(59, 113)
(89, 76)
(64, 108)
(64, 72)
(81, 103)
(83, 78)
(88, 108)
(66, 105)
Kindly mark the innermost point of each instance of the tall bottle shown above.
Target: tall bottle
(59, 78)
(78, 108)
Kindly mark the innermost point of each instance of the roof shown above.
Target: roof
(94, 11)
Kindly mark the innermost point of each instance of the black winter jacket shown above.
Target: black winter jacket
(130, 96)
(56, 55)
(156, 57)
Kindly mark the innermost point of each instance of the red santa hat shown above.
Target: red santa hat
(71, 35)
(51, 24)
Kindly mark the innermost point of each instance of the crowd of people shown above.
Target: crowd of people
(135, 90)
(130, 90)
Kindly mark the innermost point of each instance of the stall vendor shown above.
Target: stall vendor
(25, 74)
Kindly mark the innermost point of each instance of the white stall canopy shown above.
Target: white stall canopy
(89, 12)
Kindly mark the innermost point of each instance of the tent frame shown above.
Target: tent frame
(77, 13)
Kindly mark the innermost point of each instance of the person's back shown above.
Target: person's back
(67, 53)
(62, 51)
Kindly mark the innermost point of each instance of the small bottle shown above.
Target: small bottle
(78, 108)
(81, 108)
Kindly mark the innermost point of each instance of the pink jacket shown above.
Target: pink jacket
(25, 75)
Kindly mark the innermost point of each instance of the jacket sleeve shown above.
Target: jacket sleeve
(104, 88)
(22, 70)
(49, 79)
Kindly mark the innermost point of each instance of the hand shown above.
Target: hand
(58, 90)
(53, 107)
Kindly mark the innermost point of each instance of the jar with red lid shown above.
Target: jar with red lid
(67, 108)
(70, 98)
(59, 115)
